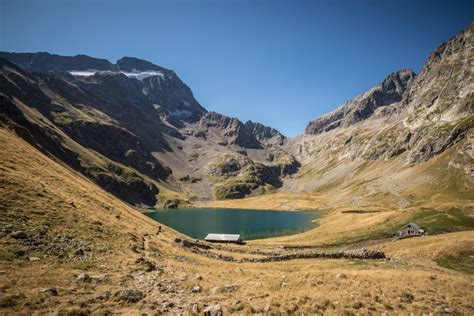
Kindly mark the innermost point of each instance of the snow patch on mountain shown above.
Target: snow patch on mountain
(140, 75)
(83, 73)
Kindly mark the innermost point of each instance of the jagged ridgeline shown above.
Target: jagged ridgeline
(136, 130)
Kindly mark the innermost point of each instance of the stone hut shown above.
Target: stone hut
(411, 229)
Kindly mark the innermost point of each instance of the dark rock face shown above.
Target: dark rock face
(265, 133)
(168, 92)
(120, 145)
(363, 106)
(132, 63)
(233, 129)
(439, 140)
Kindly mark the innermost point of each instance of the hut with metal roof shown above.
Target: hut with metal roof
(232, 238)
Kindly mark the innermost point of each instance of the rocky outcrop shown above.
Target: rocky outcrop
(265, 133)
(239, 176)
(131, 64)
(231, 129)
(363, 106)
(169, 93)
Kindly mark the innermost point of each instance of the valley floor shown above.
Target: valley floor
(69, 247)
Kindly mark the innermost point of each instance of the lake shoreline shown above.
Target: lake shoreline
(251, 224)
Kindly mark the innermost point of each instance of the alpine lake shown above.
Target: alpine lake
(250, 224)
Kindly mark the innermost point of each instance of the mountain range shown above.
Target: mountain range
(135, 129)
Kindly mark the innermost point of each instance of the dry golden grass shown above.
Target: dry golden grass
(37, 193)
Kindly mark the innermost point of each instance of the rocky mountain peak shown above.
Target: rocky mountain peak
(136, 64)
(230, 128)
(396, 83)
(265, 133)
(388, 92)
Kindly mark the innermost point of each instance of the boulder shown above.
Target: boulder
(213, 310)
(83, 277)
(19, 235)
(51, 291)
(130, 295)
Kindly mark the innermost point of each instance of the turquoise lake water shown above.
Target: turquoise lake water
(250, 224)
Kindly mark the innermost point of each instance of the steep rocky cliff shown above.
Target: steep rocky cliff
(265, 134)
(362, 107)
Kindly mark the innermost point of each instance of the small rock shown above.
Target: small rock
(256, 309)
(231, 287)
(79, 252)
(341, 276)
(51, 291)
(217, 289)
(147, 263)
(19, 235)
(83, 277)
(213, 310)
(196, 289)
(34, 258)
(198, 277)
(130, 295)
(266, 309)
(238, 270)
(21, 254)
(195, 309)
(104, 296)
(225, 288)
(238, 306)
(407, 297)
(183, 277)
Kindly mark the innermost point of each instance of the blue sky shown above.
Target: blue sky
(281, 63)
